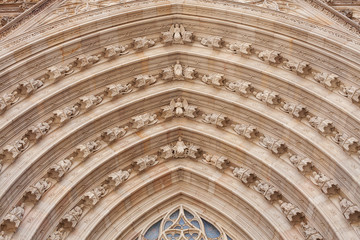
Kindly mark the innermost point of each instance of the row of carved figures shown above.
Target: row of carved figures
(180, 108)
(177, 72)
(176, 35)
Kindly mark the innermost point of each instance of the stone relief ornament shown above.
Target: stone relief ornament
(71, 219)
(243, 88)
(61, 116)
(330, 81)
(270, 192)
(144, 80)
(141, 43)
(113, 134)
(247, 176)
(212, 41)
(310, 233)
(301, 68)
(38, 131)
(276, 146)
(215, 118)
(324, 126)
(59, 234)
(87, 102)
(55, 73)
(268, 4)
(92, 197)
(273, 57)
(59, 169)
(8, 99)
(296, 110)
(3, 236)
(85, 61)
(350, 92)
(114, 51)
(35, 192)
(115, 90)
(349, 144)
(12, 220)
(179, 109)
(219, 162)
(327, 185)
(248, 131)
(11, 152)
(268, 97)
(83, 151)
(178, 72)
(116, 178)
(240, 48)
(180, 150)
(214, 79)
(29, 86)
(303, 164)
(177, 35)
(145, 162)
(292, 213)
(144, 120)
(350, 211)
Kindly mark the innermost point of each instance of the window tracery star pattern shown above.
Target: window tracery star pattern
(183, 224)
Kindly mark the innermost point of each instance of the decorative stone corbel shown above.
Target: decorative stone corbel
(352, 93)
(30, 86)
(349, 144)
(83, 61)
(330, 81)
(324, 126)
(310, 233)
(8, 99)
(292, 213)
(144, 120)
(36, 132)
(270, 192)
(219, 162)
(296, 110)
(242, 48)
(71, 219)
(115, 90)
(350, 211)
(113, 134)
(141, 43)
(276, 146)
(268, 97)
(215, 118)
(177, 35)
(83, 151)
(243, 88)
(212, 41)
(303, 164)
(12, 220)
(145, 162)
(301, 68)
(214, 79)
(116, 178)
(61, 116)
(92, 197)
(144, 80)
(55, 73)
(114, 51)
(87, 102)
(247, 176)
(35, 192)
(59, 169)
(273, 57)
(59, 234)
(248, 131)
(11, 152)
(179, 109)
(327, 185)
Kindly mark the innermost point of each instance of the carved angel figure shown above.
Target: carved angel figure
(146, 162)
(144, 80)
(142, 42)
(303, 164)
(212, 41)
(350, 92)
(85, 61)
(268, 97)
(66, 114)
(116, 178)
(59, 234)
(58, 170)
(35, 192)
(56, 73)
(248, 131)
(29, 86)
(324, 126)
(310, 233)
(115, 90)
(90, 101)
(292, 213)
(276, 146)
(13, 219)
(349, 144)
(177, 35)
(113, 134)
(327, 185)
(180, 150)
(242, 48)
(8, 99)
(216, 119)
(178, 72)
(11, 152)
(219, 162)
(71, 219)
(144, 120)
(215, 79)
(245, 175)
(84, 150)
(243, 88)
(269, 191)
(273, 57)
(92, 197)
(296, 110)
(113, 51)
(36, 132)
(330, 81)
(350, 211)
(301, 68)
(179, 109)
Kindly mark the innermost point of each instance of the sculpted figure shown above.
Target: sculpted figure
(36, 132)
(303, 164)
(85, 61)
(301, 68)
(113, 134)
(66, 114)
(11, 152)
(144, 120)
(214, 79)
(89, 101)
(180, 150)
(242, 48)
(56, 73)
(8, 99)
(216, 119)
(296, 110)
(276, 146)
(115, 90)
(177, 35)
(179, 109)
(245, 175)
(71, 219)
(350, 211)
(35, 192)
(59, 234)
(273, 57)
(349, 144)
(269, 191)
(219, 162)
(93, 197)
(13, 219)
(178, 72)
(116, 178)
(327, 185)
(113, 51)
(58, 170)
(310, 233)
(268, 97)
(142, 43)
(248, 131)
(146, 162)
(330, 81)
(350, 92)
(243, 88)
(292, 213)
(144, 80)
(29, 86)
(324, 126)
(84, 150)
(212, 41)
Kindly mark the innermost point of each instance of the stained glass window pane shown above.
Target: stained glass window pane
(210, 230)
(153, 232)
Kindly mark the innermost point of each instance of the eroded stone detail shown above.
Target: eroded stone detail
(248, 131)
(113, 134)
(13, 219)
(55, 73)
(92, 197)
(180, 150)
(87, 102)
(350, 211)
(352, 93)
(247, 176)
(310, 233)
(243, 88)
(30, 86)
(177, 35)
(144, 120)
(67, 113)
(270, 192)
(178, 72)
(116, 178)
(11, 152)
(327, 185)
(301, 68)
(268, 97)
(240, 48)
(330, 81)
(59, 169)
(215, 79)
(71, 219)
(276, 146)
(114, 51)
(273, 57)
(292, 213)
(303, 164)
(59, 234)
(145, 162)
(212, 41)
(324, 126)
(34, 133)
(83, 61)
(179, 109)
(8, 99)
(144, 80)
(349, 144)
(115, 90)
(141, 43)
(35, 192)
(83, 151)
(215, 118)
(219, 162)
(296, 110)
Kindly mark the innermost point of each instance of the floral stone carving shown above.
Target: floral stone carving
(219, 162)
(180, 150)
(145, 162)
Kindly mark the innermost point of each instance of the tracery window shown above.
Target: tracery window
(183, 224)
